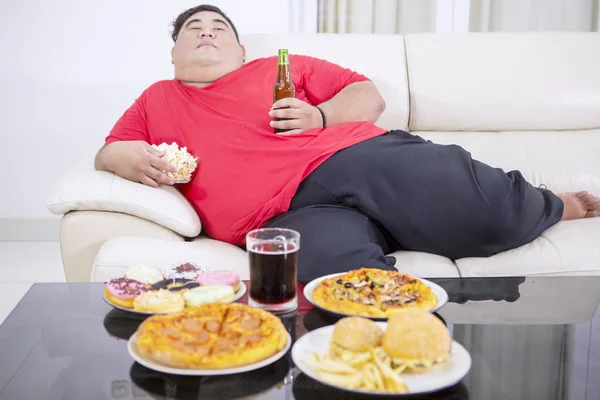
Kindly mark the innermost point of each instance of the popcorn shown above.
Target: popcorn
(180, 158)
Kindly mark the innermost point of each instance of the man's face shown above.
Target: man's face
(205, 40)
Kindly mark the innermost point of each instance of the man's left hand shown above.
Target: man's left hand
(300, 116)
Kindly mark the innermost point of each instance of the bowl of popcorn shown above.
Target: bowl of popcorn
(179, 158)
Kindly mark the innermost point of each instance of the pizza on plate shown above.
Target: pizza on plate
(371, 292)
(211, 336)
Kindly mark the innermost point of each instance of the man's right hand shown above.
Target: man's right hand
(136, 161)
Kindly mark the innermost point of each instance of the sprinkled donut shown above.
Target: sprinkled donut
(186, 270)
(123, 291)
(124, 288)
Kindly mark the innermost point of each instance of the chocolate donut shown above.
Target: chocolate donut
(175, 284)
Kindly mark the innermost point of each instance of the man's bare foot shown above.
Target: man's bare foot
(579, 205)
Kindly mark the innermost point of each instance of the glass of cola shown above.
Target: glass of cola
(273, 255)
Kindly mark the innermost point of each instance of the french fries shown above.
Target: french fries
(366, 371)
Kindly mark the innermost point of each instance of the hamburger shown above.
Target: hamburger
(353, 338)
(416, 340)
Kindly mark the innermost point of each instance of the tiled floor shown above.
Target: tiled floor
(22, 264)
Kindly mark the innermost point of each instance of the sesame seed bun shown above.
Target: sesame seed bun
(356, 334)
(416, 338)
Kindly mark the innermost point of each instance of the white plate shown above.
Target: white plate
(441, 377)
(440, 294)
(133, 351)
(238, 295)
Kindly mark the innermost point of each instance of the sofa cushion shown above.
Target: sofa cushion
(85, 189)
(504, 81)
(116, 255)
(567, 248)
(424, 265)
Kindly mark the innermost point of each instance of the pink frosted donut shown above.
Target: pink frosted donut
(124, 288)
(219, 278)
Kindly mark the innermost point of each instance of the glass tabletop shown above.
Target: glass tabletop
(529, 338)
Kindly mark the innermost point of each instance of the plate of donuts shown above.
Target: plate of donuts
(147, 291)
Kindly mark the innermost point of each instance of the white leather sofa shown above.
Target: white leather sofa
(528, 101)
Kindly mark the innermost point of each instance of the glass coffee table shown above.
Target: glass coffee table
(529, 338)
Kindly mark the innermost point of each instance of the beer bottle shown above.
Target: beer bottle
(284, 87)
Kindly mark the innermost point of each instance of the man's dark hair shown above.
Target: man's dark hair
(184, 16)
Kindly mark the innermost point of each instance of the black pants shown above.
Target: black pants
(400, 192)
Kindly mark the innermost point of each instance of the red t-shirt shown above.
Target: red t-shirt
(246, 174)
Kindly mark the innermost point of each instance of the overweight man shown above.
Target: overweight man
(353, 190)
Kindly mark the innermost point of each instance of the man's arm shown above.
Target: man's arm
(128, 154)
(100, 161)
(359, 101)
(342, 94)
(136, 161)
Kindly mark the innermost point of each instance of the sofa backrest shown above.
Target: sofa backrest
(466, 82)
(517, 101)
(379, 57)
(504, 82)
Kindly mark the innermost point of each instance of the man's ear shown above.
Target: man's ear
(172, 51)
(243, 54)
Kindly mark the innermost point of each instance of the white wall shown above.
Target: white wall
(70, 68)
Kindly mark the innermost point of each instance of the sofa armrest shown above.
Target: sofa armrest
(85, 189)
